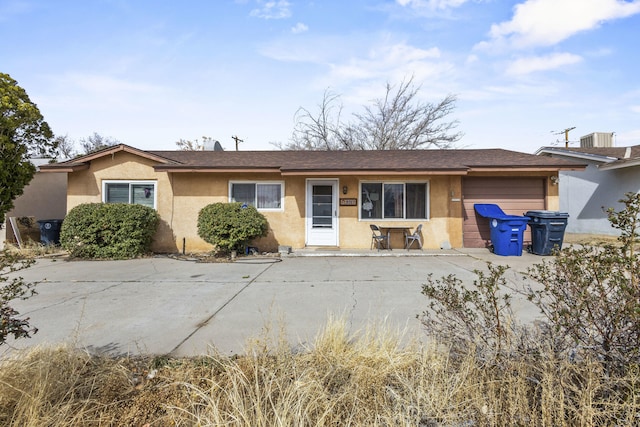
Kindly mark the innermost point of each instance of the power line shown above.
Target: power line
(237, 140)
(566, 135)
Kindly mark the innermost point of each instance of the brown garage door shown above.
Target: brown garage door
(514, 195)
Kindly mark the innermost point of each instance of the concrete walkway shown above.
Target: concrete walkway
(182, 308)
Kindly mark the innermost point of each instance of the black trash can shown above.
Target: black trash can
(506, 230)
(50, 231)
(547, 230)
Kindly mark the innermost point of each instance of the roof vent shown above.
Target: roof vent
(597, 139)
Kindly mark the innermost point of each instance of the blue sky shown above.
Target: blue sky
(149, 73)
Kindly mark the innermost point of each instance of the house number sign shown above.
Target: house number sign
(348, 202)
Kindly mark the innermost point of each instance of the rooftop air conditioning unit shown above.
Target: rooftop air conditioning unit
(597, 139)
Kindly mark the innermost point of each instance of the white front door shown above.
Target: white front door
(322, 213)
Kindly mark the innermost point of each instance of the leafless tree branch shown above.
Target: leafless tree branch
(397, 121)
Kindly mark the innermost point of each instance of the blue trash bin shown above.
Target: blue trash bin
(507, 231)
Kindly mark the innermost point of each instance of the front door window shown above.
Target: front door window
(322, 212)
(322, 206)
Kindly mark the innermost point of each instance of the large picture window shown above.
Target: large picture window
(394, 200)
(261, 195)
(132, 192)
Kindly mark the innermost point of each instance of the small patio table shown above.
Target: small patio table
(394, 229)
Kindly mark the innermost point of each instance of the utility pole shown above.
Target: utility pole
(566, 135)
(237, 140)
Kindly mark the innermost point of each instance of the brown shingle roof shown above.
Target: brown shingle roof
(443, 161)
(397, 160)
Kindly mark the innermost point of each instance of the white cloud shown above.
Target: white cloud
(359, 60)
(299, 28)
(548, 22)
(362, 78)
(431, 4)
(272, 9)
(388, 60)
(532, 64)
(471, 59)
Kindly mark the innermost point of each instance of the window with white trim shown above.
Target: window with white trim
(261, 195)
(132, 192)
(394, 200)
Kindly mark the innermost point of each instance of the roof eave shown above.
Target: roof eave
(620, 165)
(62, 168)
(369, 172)
(214, 169)
(127, 149)
(545, 168)
(576, 154)
(82, 162)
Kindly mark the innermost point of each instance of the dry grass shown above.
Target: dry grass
(590, 239)
(373, 378)
(32, 250)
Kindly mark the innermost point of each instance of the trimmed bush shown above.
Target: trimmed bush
(108, 230)
(230, 226)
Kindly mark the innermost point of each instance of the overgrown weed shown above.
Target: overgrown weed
(365, 378)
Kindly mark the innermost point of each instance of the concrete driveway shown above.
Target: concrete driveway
(183, 308)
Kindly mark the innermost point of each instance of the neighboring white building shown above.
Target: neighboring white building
(611, 172)
(44, 198)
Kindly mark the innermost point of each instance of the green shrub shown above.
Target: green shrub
(108, 230)
(230, 226)
(590, 294)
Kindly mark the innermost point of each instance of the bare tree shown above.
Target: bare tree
(96, 142)
(398, 121)
(66, 147)
(188, 145)
(196, 145)
(323, 131)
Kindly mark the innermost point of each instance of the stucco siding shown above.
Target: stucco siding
(195, 191)
(43, 198)
(585, 195)
(181, 196)
(86, 187)
(442, 227)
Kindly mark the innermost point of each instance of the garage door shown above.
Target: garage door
(514, 195)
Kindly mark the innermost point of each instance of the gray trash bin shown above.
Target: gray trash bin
(50, 231)
(547, 230)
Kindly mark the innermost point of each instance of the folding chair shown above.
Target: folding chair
(378, 238)
(415, 237)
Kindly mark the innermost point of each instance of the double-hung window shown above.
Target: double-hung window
(267, 196)
(394, 200)
(132, 192)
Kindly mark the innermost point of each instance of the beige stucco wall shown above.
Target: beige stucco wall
(193, 191)
(180, 197)
(444, 223)
(86, 187)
